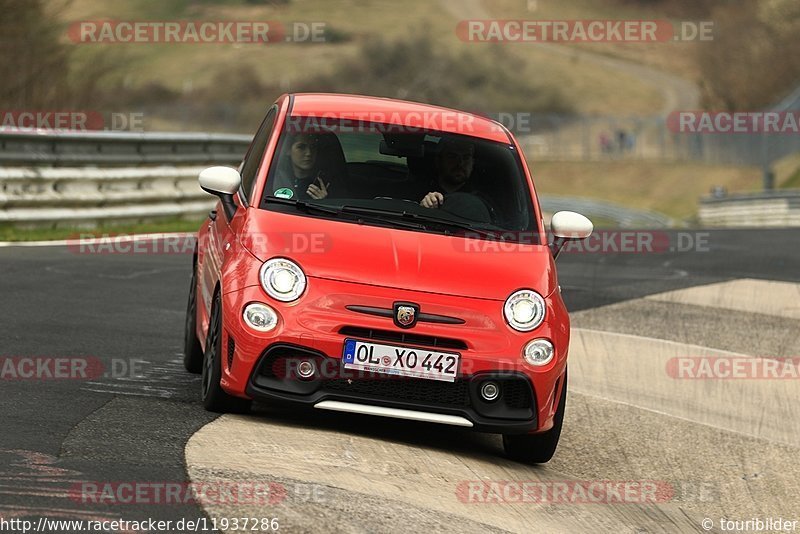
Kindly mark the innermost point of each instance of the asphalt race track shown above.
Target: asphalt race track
(712, 448)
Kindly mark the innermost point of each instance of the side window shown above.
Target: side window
(256, 152)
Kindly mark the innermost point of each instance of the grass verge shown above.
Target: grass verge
(669, 188)
(10, 232)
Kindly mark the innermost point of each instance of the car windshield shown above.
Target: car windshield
(380, 174)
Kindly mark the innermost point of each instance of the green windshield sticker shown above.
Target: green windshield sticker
(284, 192)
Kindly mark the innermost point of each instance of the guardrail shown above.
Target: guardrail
(53, 178)
(624, 217)
(37, 147)
(35, 196)
(768, 208)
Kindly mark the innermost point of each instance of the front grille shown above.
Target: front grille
(455, 394)
(403, 337)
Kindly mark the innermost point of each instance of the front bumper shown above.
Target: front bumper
(317, 325)
(274, 378)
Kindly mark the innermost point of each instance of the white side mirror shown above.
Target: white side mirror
(223, 182)
(220, 180)
(571, 225)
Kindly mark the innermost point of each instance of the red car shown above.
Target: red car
(383, 257)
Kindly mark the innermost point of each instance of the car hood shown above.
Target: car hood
(402, 259)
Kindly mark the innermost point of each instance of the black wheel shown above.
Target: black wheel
(214, 397)
(192, 351)
(538, 448)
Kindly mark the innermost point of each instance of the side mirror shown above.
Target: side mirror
(568, 225)
(223, 182)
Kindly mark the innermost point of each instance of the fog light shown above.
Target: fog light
(490, 391)
(306, 369)
(538, 352)
(260, 317)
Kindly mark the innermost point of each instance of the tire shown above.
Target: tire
(215, 399)
(192, 351)
(537, 448)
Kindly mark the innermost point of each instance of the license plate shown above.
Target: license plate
(402, 361)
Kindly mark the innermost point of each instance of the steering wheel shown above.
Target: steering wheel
(468, 206)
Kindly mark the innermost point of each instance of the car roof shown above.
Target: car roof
(399, 112)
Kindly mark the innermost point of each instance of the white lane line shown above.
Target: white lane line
(111, 238)
(768, 297)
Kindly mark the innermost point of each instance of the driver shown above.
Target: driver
(453, 165)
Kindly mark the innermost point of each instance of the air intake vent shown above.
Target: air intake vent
(403, 337)
(452, 394)
(231, 349)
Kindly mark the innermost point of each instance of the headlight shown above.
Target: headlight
(260, 317)
(538, 352)
(524, 310)
(283, 279)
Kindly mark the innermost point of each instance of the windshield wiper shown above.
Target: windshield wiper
(375, 214)
(362, 210)
(422, 219)
(308, 207)
(460, 225)
(303, 205)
